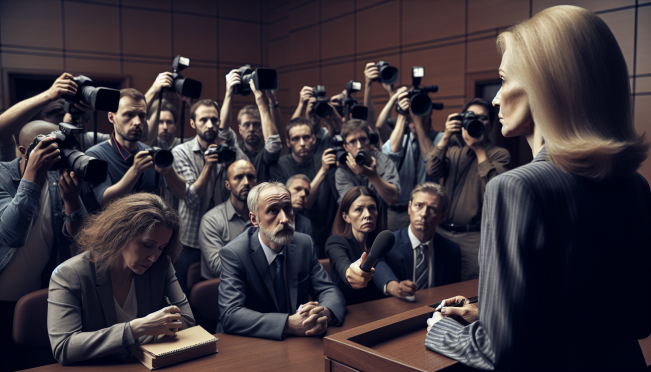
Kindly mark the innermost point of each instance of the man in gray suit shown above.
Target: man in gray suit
(269, 271)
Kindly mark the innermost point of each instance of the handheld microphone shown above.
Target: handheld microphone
(381, 246)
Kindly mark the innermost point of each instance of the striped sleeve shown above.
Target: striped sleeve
(510, 283)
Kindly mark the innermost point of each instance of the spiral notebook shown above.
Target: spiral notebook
(188, 344)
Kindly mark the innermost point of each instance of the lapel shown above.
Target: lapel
(260, 261)
(292, 275)
(104, 291)
(356, 249)
(439, 260)
(142, 293)
(407, 253)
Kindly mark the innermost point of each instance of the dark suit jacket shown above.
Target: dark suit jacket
(400, 261)
(552, 245)
(247, 302)
(81, 318)
(342, 252)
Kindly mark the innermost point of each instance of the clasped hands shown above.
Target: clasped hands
(465, 315)
(310, 320)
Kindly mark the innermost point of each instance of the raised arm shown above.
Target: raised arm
(304, 96)
(398, 134)
(142, 162)
(233, 78)
(381, 124)
(371, 73)
(327, 159)
(163, 80)
(276, 114)
(267, 122)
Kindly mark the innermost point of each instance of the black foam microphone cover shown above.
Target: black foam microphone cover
(381, 246)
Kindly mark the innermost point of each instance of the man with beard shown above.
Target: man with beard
(420, 258)
(260, 140)
(204, 177)
(269, 271)
(130, 167)
(226, 221)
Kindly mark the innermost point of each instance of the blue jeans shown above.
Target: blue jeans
(188, 256)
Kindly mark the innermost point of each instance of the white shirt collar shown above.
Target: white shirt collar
(414, 240)
(268, 252)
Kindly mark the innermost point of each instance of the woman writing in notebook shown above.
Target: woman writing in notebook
(111, 296)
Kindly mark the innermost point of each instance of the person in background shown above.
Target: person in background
(353, 233)
(299, 188)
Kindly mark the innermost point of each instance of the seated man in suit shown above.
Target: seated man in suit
(269, 271)
(420, 258)
(299, 186)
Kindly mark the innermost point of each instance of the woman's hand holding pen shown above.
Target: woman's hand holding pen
(165, 321)
(465, 314)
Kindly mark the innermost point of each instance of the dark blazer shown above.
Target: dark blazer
(247, 301)
(342, 252)
(553, 244)
(81, 318)
(400, 261)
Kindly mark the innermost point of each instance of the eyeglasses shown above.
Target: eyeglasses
(361, 140)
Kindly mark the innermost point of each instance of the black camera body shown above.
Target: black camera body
(162, 158)
(388, 74)
(471, 124)
(350, 106)
(85, 167)
(263, 79)
(184, 86)
(227, 154)
(338, 147)
(419, 100)
(321, 107)
(103, 99)
(362, 158)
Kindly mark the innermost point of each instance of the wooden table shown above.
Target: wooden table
(240, 353)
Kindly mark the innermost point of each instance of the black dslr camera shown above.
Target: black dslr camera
(104, 99)
(338, 147)
(162, 158)
(85, 167)
(350, 106)
(363, 158)
(184, 86)
(419, 100)
(321, 107)
(471, 124)
(226, 153)
(388, 74)
(263, 78)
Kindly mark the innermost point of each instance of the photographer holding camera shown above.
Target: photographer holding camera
(260, 140)
(384, 74)
(324, 129)
(40, 211)
(465, 170)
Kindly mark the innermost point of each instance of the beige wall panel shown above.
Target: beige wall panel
(482, 56)
(240, 9)
(21, 61)
(483, 14)
(644, 40)
(143, 74)
(643, 85)
(643, 125)
(305, 45)
(335, 77)
(304, 15)
(301, 78)
(622, 24)
(195, 37)
(443, 67)
(92, 27)
(337, 38)
(239, 42)
(428, 20)
(279, 53)
(378, 27)
(335, 8)
(592, 5)
(207, 7)
(140, 37)
(35, 23)
(84, 66)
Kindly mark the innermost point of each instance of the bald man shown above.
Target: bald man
(226, 221)
(40, 212)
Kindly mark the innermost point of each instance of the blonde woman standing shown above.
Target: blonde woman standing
(570, 230)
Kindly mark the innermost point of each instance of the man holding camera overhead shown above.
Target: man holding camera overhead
(465, 171)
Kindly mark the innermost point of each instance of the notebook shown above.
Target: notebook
(188, 344)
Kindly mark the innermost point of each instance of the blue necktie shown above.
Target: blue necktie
(279, 285)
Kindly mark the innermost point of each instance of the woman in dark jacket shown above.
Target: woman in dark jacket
(355, 228)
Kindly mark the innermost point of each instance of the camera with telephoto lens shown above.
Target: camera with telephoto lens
(226, 153)
(471, 124)
(85, 167)
(388, 74)
(103, 99)
(419, 100)
(162, 158)
(184, 86)
(362, 158)
(338, 147)
(263, 79)
(321, 107)
(350, 106)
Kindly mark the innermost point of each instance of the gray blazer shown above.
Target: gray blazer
(565, 273)
(247, 302)
(81, 318)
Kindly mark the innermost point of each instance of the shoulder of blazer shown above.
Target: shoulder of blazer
(80, 265)
(442, 241)
(302, 240)
(242, 243)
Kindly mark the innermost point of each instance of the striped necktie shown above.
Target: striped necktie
(421, 268)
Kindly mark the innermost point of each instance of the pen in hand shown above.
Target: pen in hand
(186, 316)
(471, 300)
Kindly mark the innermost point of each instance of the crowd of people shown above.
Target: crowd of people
(261, 221)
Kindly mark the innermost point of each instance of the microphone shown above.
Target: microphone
(381, 246)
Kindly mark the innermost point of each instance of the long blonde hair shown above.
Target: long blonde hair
(575, 76)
